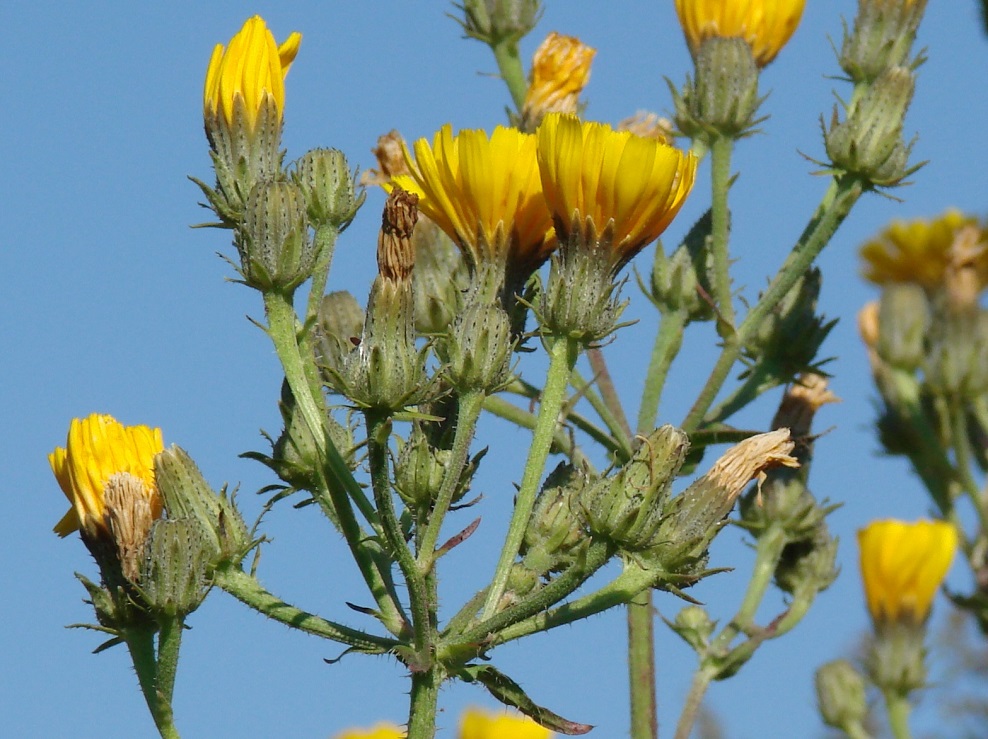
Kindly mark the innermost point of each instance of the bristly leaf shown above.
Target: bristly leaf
(511, 694)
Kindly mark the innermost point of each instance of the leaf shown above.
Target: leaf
(511, 694)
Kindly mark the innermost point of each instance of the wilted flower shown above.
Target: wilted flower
(252, 70)
(765, 24)
(917, 251)
(100, 453)
(485, 192)
(613, 178)
(560, 71)
(902, 565)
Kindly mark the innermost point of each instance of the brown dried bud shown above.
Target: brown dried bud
(395, 251)
(128, 516)
(648, 125)
(962, 278)
(801, 402)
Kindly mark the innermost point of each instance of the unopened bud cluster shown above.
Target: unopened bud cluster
(868, 143)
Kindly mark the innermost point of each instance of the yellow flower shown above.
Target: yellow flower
(477, 724)
(917, 251)
(98, 448)
(485, 193)
(902, 565)
(252, 68)
(377, 731)
(765, 24)
(637, 185)
(560, 71)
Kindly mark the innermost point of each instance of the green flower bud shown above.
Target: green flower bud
(883, 36)
(723, 100)
(869, 143)
(440, 280)
(896, 658)
(581, 300)
(479, 348)
(692, 519)
(694, 626)
(338, 327)
(174, 579)
(840, 695)
(421, 467)
(555, 535)
(808, 565)
(493, 21)
(958, 350)
(188, 496)
(328, 187)
(677, 280)
(276, 252)
(788, 340)
(627, 508)
(903, 325)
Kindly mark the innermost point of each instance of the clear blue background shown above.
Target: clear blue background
(110, 303)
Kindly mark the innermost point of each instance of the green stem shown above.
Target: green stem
(378, 433)
(720, 175)
(618, 433)
(169, 644)
(249, 591)
(325, 244)
(562, 357)
(470, 406)
(140, 643)
(743, 394)
(602, 378)
(512, 72)
(423, 703)
(965, 460)
(840, 197)
(694, 699)
(768, 552)
(668, 341)
(520, 417)
(336, 479)
(641, 667)
(898, 709)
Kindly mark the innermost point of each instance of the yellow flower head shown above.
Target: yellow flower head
(613, 177)
(765, 24)
(560, 71)
(902, 565)
(477, 724)
(485, 193)
(917, 251)
(98, 448)
(251, 68)
(382, 730)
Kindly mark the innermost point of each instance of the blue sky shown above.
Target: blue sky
(111, 303)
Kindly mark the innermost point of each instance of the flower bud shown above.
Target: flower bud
(840, 695)
(189, 497)
(692, 519)
(955, 362)
(676, 284)
(555, 535)
(421, 467)
(903, 325)
(493, 21)
(386, 371)
(328, 187)
(627, 508)
(339, 323)
(869, 142)
(896, 657)
(275, 250)
(808, 565)
(788, 340)
(723, 100)
(883, 35)
(175, 579)
(479, 349)
(581, 299)
(695, 627)
(440, 281)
